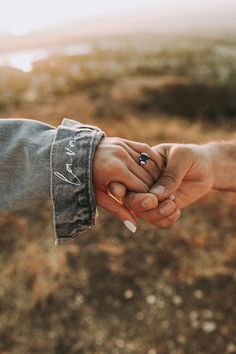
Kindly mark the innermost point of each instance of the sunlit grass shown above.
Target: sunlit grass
(109, 291)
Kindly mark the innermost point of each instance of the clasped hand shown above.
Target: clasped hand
(128, 190)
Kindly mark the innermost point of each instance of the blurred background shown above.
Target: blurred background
(153, 71)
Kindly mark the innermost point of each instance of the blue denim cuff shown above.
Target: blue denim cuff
(74, 203)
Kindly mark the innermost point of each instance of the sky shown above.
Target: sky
(22, 16)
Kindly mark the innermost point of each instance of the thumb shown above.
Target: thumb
(173, 175)
(117, 209)
(118, 190)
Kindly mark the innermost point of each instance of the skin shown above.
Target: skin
(190, 171)
(117, 160)
(188, 175)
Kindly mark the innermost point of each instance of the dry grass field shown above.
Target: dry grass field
(157, 292)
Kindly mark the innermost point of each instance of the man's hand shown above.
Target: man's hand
(188, 174)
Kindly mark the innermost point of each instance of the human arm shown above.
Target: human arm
(193, 170)
(40, 162)
(70, 164)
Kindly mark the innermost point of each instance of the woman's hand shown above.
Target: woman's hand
(118, 160)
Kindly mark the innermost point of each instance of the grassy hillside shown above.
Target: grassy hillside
(160, 291)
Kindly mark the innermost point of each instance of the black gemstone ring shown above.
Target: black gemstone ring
(143, 158)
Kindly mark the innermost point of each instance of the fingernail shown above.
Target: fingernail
(130, 226)
(148, 203)
(166, 209)
(158, 190)
(172, 197)
(175, 215)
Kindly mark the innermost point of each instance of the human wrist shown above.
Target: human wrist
(222, 157)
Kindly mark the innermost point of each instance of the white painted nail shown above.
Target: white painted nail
(159, 190)
(131, 227)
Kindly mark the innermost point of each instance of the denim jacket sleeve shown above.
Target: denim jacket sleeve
(38, 161)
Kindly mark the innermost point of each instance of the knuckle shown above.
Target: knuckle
(171, 176)
(116, 140)
(182, 150)
(151, 165)
(145, 147)
(131, 201)
(120, 152)
(148, 180)
(154, 170)
(152, 216)
(175, 216)
(179, 148)
(119, 142)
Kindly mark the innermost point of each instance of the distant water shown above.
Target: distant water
(24, 60)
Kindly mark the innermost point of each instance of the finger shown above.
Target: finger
(140, 201)
(152, 169)
(140, 172)
(140, 147)
(117, 209)
(118, 190)
(135, 168)
(168, 221)
(166, 208)
(130, 180)
(154, 216)
(150, 166)
(175, 215)
(173, 175)
(151, 216)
